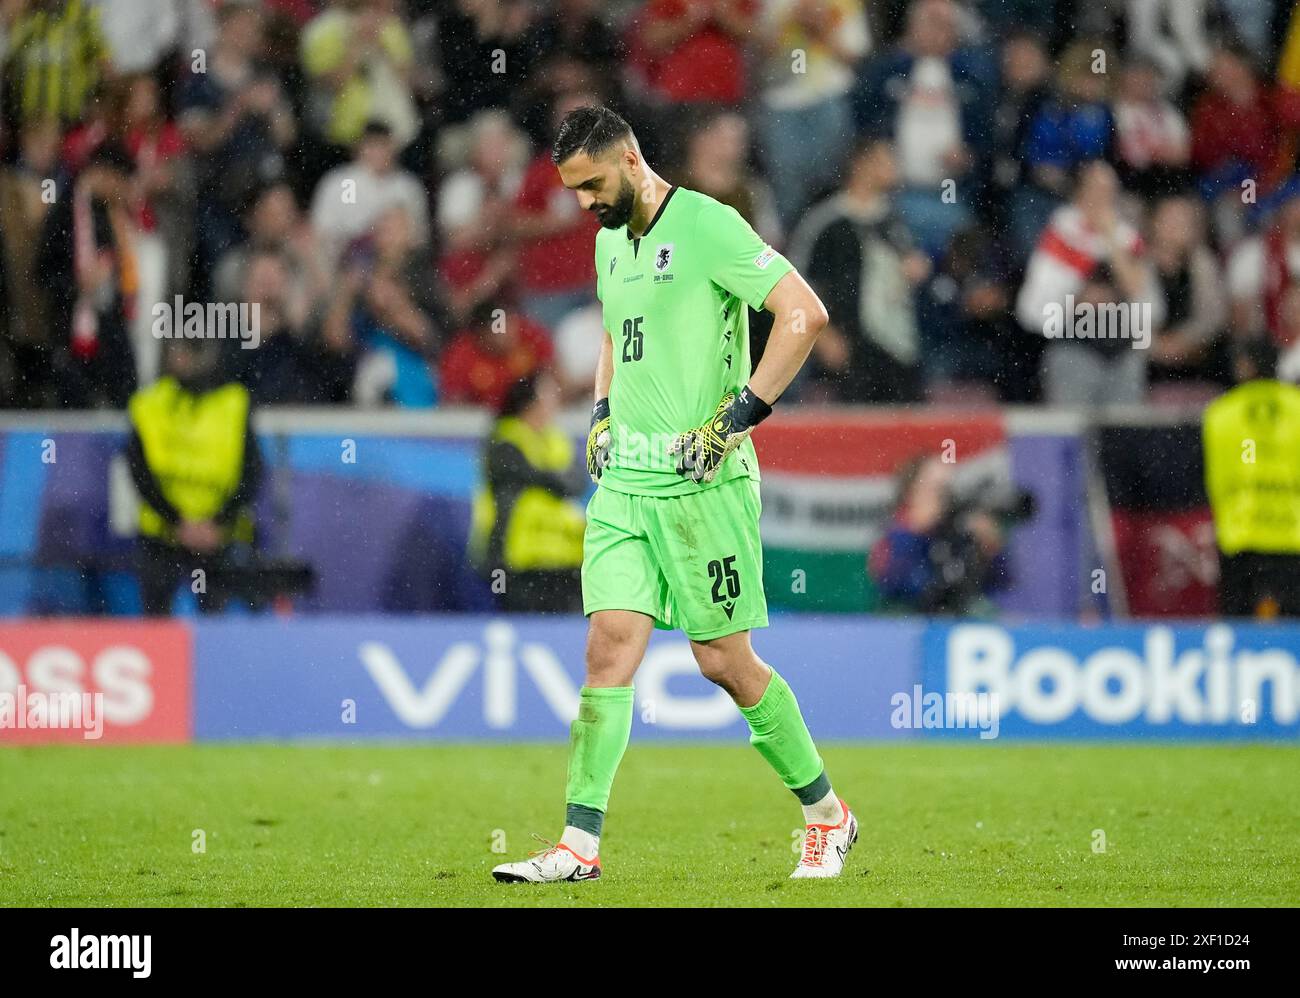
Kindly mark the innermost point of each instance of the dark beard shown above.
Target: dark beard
(618, 214)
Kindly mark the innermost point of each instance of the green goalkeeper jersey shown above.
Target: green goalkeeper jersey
(674, 305)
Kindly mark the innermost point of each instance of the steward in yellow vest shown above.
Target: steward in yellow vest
(525, 521)
(1251, 440)
(196, 465)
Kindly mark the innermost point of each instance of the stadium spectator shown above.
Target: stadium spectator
(1098, 19)
(1076, 124)
(577, 33)
(350, 198)
(810, 53)
(290, 363)
(28, 338)
(1237, 127)
(858, 255)
(396, 251)
(961, 88)
(495, 349)
(237, 120)
(578, 50)
(358, 57)
(473, 38)
(154, 142)
(971, 346)
(275, 223)
(1152, 140)
(575, 30)
(928, 97)
(140, 33)
(1005, 17)
(197, 467)
(1172, 34)
(526, 532)
(1256, 508)
(696, 49)
(1025, 76)
(376, 318)
(1089, 256)
(934, 556)
(1255, 22)
(552, 237)
(1103, 368)
(1187, 346)
(85, 257)
(1263, 269)
(474, 211)
(717, 164)
(130, 114)
(102, 118)
(54, 57)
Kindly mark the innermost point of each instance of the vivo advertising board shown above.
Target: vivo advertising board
(518, 677)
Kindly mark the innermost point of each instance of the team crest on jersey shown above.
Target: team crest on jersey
(663, 258)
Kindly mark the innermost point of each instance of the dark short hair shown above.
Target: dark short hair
(112, 156)
(1024, 33)
(868, 144)
(482, 315)
(591, 129)
(519, 396)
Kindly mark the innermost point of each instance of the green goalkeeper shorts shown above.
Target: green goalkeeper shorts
(692, 561)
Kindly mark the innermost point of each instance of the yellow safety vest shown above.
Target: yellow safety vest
(545, 530)
(1251, 437)
(194, 445)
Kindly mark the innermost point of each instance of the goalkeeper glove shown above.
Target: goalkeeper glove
(598, 440)
(701, 451)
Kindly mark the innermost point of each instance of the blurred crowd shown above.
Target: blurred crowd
(374, 176)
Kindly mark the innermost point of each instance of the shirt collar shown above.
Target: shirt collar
(658, 214)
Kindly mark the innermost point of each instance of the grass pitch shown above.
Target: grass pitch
(405, 824)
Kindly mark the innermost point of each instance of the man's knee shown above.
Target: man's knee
(728, 664)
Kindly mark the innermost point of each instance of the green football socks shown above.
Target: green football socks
(599, 736)
(777, 730)
(597, 740)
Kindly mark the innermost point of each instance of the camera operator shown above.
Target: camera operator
(939, 554)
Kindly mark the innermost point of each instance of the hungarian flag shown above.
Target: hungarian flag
(828, 493)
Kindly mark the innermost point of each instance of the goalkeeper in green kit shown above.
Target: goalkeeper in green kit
(672, 530)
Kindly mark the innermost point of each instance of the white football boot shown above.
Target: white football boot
(554, 863)
(825, 846)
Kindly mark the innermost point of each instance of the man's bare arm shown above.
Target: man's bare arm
(604, 368)
(800, 318)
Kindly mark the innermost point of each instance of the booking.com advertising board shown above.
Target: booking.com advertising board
(504, 678)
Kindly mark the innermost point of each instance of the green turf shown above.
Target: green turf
(390, 825)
